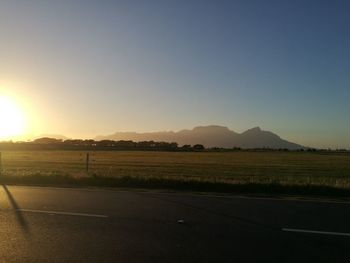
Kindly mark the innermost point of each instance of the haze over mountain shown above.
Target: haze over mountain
(210, 136)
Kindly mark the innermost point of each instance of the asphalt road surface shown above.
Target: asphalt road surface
(81, 225)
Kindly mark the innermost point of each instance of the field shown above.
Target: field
(282, 172)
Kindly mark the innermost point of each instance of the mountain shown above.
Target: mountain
(210, 136)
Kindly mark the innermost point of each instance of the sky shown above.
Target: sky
(92, 67)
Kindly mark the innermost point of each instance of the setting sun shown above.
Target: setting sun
(11, 119)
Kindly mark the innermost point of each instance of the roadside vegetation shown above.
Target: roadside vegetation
(307, 173)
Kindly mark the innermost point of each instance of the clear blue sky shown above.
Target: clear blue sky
(97, 66)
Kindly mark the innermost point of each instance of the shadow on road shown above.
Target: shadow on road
(22, 222)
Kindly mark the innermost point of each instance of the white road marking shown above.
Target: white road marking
(61, 213)
(316, 232)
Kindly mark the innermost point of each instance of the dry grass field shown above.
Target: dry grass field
(178, 169)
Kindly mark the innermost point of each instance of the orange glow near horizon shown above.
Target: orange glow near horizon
(12, 119)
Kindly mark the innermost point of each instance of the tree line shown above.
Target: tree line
(46, 143)
(79, 144)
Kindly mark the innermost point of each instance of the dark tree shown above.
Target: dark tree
(198, 147)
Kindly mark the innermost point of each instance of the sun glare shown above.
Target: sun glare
(11, 119)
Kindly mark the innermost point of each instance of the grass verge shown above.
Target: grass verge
(193, 185)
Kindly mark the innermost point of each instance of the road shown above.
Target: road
(86, 225)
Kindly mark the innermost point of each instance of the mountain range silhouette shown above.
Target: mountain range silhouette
(210, 136)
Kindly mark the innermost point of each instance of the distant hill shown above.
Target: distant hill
(52, 136)
(210, 136)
